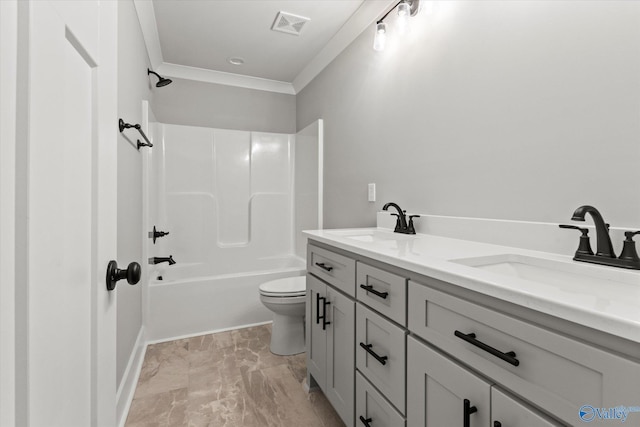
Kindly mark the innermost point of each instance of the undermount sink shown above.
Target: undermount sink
(369, 235)
(548, 271)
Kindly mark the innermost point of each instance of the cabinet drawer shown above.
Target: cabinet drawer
(553, 371)
(372, 408)
(383, 291)
(333, 268)
(380, 354)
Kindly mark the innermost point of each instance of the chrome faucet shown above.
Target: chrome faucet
(401, 222)
(158, 260)
(604, 252)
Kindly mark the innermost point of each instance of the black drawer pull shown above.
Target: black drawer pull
(365, 421)
(468, 410)
(381, 359)
(369, 288)
(497, 424)
(509, 357)
(323, 266)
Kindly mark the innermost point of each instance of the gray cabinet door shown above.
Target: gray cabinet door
(437, 389)
(510, 412)
(340, 354)
(316, 334)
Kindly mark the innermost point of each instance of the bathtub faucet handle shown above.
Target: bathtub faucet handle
(156, 233)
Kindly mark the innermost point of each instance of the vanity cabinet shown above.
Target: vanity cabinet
(430, 353)
(330, 331)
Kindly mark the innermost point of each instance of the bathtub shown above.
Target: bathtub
(196, 299)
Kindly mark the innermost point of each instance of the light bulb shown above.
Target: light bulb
(404, 13)
(381, 36)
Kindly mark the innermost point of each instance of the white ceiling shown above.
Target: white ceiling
(197, 37)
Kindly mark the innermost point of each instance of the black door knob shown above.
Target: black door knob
(132, 274)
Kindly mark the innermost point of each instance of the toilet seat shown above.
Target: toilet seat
(285, 288)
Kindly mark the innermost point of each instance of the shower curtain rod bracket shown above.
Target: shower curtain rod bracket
(122, 126)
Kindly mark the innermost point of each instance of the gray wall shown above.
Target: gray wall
(133, 87)
(493, 109)
(193, 103)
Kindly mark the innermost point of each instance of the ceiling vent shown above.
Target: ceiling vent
(289, 23)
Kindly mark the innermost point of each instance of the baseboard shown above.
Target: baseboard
(129, 381)
(215, 331)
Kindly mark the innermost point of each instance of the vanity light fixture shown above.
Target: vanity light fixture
(404, 13)
(381, 36)
(406, 9)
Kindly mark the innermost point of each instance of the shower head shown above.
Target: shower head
(161, 80)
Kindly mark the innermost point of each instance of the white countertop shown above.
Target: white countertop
(607, 300)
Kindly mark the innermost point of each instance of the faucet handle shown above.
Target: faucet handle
(584, 247)
(410, 228)
(584, 230)
(398, 222)
(629, 252)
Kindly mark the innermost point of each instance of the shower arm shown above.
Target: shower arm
(122, 126)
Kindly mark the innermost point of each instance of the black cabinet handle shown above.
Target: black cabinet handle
(369, 288)
(318, 317)
(381, 359)
(365, 421)
(468, 410)
(324, 311)
(323, 266)
(509, 357)
(324, 314)
(497, 424)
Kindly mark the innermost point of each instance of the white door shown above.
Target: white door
(70, 174)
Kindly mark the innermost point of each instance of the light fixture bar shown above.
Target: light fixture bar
(413, 5)
(410, 9)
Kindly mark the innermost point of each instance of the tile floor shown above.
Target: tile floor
(228, 379)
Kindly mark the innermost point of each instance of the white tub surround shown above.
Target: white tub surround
(607, 300)
(234, 203)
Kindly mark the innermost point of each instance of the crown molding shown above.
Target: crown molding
(367, 13)
(222, 78)
(149, 27)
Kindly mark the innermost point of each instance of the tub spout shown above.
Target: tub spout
(158, 260)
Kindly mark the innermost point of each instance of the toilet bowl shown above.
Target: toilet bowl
(286, 299)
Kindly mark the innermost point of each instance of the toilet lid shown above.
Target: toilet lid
(289, 286)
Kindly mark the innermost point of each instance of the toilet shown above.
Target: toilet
(286, 299)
